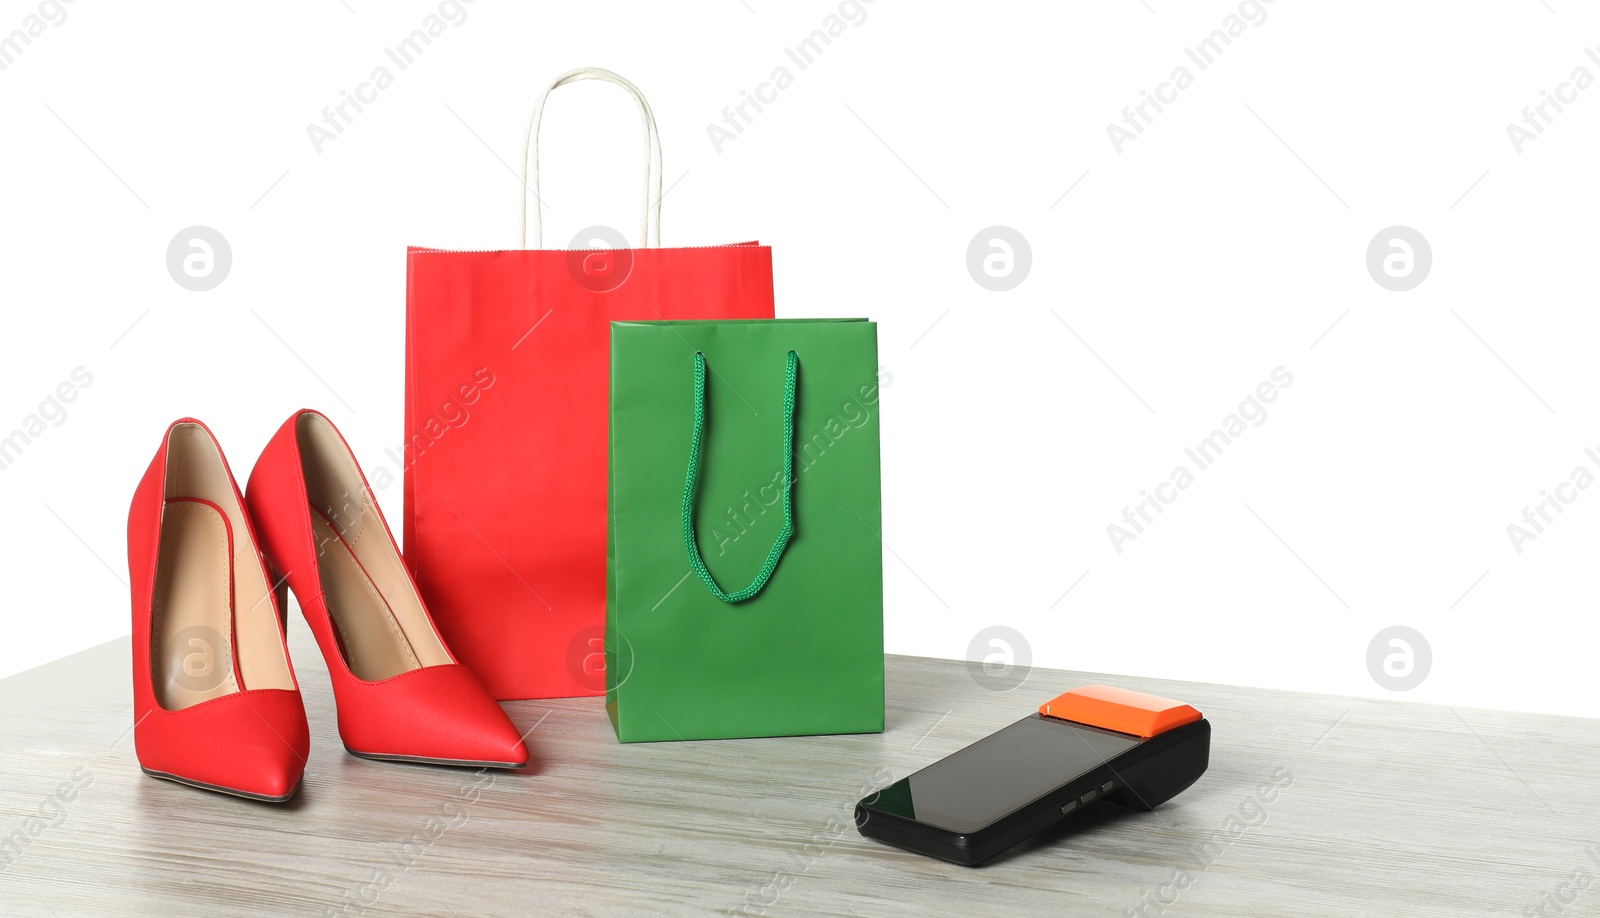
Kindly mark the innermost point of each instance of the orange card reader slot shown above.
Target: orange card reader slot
(1120, 710)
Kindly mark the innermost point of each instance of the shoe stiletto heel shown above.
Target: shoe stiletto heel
(400, 694)
(215, 700)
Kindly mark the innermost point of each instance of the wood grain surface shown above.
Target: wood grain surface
(1313, 805)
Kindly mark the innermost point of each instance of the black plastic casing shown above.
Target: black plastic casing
(1143, 777)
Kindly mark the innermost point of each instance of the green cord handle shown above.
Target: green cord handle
(692, 483)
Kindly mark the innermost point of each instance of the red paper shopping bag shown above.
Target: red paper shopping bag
(505, 421)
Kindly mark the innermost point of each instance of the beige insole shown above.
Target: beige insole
(192, 617)
(382, 625)
(375, 643)
(213, 621)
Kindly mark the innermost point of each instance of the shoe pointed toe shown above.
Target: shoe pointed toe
(250, 744)
(439, 714)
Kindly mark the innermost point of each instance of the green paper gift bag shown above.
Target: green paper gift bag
(744, 569)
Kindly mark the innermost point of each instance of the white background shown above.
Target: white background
(1225, 242)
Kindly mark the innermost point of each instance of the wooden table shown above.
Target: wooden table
(1385, 808)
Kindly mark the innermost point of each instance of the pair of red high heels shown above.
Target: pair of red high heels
(216, 704)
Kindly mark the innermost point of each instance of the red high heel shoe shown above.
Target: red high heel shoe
(400, 694)
(215, 702)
